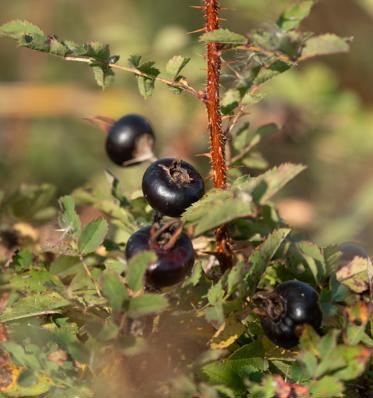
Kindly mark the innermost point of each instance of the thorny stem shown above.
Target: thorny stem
(181, 84)
(217, 138)
(213, 97)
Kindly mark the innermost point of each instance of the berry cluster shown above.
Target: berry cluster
(170, 186)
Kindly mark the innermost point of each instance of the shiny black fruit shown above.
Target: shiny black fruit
(170, 186)
(290, 306)
(172, 264)
(130, 140)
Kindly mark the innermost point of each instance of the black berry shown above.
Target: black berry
(171, 186)
(172, 264)
(291, 305)
(130, 140)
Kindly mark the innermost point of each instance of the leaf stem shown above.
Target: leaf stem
(181, 84)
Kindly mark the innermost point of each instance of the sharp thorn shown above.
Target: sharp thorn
(206, 155)
(197, 31)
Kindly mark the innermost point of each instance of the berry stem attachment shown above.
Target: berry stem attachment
(217, 137)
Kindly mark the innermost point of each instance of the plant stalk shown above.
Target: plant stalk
(217, 138)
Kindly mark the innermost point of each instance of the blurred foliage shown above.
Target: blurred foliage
(324, 106)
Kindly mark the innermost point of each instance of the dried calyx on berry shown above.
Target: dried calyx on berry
(170, 186)
(174, 250)
(287, 309)
(130, 140)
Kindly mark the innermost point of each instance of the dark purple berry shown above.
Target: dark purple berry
(290, 306)
(173, 263)
(130, 140)
(171, 186)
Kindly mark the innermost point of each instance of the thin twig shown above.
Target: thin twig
(181, 84)
(242, 154)
(269, 53)
(228, 132)
(90, 276)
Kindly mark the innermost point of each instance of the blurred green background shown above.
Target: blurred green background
(324, 106)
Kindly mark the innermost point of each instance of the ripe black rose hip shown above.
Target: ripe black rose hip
(290, 306)
(171, 186)
(173, 264)
(130, 140)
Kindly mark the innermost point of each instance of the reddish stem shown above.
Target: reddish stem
(213, 99)
(217, 138)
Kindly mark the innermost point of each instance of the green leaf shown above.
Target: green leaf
(215, 315)
(92, 236)
(137, 268)
(147, 304)
(265, 390)
(327, 387)
(247, 139)
(69, 219)
(103, 75)
(357, 275)
(255, 160)
(34, 281)
(34, 305)
(145, 83)
(98, 51)
(215, 294)
(230, 101)
(223, 36)
(29, 201)
(29, 384)
(197, 272)
(218, 207)
(254, 349)
(292, 17)
(355, 360)
(113, 290)
(326, 349)
(273, 70)
(65, 265)
(233, 372)
(17, 29)
(175, 65)
(228, 333)
(146, 86)
(314, 258)
(235, 277)
(57, 48)
(325, 44)
(263, 187)
(22, 260)
(20, 355)
(261, 257)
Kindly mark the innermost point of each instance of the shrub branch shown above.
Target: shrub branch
(181, 84)
(217, 137)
